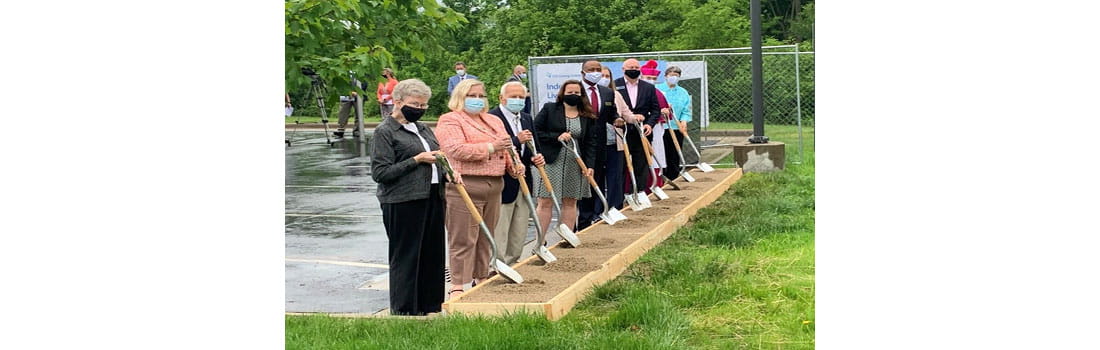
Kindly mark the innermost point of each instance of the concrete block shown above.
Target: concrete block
(760, 157)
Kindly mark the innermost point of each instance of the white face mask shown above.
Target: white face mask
(652, 81)
(604, 82)
(460, 72)
(593, 77)
(672, 80)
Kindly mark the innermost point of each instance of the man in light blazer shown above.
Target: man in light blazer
(460, 75)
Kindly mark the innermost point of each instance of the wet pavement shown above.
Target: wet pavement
(336, 245)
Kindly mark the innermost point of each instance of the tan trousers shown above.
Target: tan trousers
(469, 250)
(511, 230)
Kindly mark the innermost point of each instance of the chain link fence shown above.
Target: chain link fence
(720, 83)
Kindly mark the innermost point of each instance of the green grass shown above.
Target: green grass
(740, 276)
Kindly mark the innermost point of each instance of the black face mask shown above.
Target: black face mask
(384, 76)
(633, 73)
(572, 100)
(412, 114)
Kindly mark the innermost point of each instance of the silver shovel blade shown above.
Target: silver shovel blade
(507, 272)
(644, 200)
(633, 202)
(706, 168)
(616, 214)
(545, 254)
(659, 192)
(608, 219)
(686, 176)
(568, 235)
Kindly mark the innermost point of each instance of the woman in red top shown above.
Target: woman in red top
(476, 145)
(385, 92)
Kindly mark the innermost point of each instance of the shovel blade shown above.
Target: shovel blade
(686, 176)
(545, 254)
(608, 219)
(660, 193)
(706, 168)
(633, 202)
(644, 200)
(507, 272)
(568, 235)
(616, 214)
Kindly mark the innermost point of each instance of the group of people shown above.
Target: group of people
(422, 207)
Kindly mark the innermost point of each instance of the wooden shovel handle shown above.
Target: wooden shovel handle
(676, 141)
(545, 179)
(469, 203)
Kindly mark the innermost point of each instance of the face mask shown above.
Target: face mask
(523, 76)
(460, 72)
(572, 100)
(412, 114)
(593, 77)
(515, 105)
(474, 105)
(672, 80)
(651, 81)
(633, 73)
(604, 82)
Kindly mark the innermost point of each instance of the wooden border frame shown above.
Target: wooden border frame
(562, 303)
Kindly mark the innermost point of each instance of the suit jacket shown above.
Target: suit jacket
(551, 122)
(647, 100)
(454, 80)
(511, 185)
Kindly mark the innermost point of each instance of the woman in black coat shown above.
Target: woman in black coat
(571, 120)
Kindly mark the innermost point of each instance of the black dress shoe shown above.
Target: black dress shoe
(338, 134)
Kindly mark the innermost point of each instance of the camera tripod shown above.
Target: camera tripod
(318, 90)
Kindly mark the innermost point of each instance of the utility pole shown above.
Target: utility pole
(757, 76)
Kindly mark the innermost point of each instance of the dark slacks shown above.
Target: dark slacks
(416, 251)
(610, 178)
(672, 157)
(638, 155)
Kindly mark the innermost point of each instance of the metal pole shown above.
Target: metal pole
(757, 76)
(798, 102)
(362, 131)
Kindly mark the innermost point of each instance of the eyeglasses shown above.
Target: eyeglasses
(417, 105)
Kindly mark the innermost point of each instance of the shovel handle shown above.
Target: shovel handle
(545, 179)
(645, 147)
(469, 203)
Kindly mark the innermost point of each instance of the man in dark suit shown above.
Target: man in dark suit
(641, 97)
(511, 229)
(519, 73)
(609, 163)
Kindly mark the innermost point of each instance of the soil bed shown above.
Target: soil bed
(598, 244)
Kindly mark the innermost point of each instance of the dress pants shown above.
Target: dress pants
(672, 157)
(416, 244)
(638, 156)
(469, 249)
(511, 230)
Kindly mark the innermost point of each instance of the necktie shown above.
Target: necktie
(595, 100)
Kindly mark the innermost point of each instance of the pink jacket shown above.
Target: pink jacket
(467, 147)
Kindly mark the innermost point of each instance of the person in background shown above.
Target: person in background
(347, 105)
(511, 230)
(611, 112)
(519, 74)
(410, 191)
(569, 119)
(476, 145)
(679, 101)
(385, 90)
(460, 75)
(641, 97)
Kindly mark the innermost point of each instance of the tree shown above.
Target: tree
(336, 36)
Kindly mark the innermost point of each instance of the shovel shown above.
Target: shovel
(706, 168)
(661, 195)
(563, 230)
(494, 263)
(609, 215)
(679, 151)
(540, 246)
(637, 202)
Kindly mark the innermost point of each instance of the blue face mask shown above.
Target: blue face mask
(514, 105)
(474, 105)
(523, 76)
